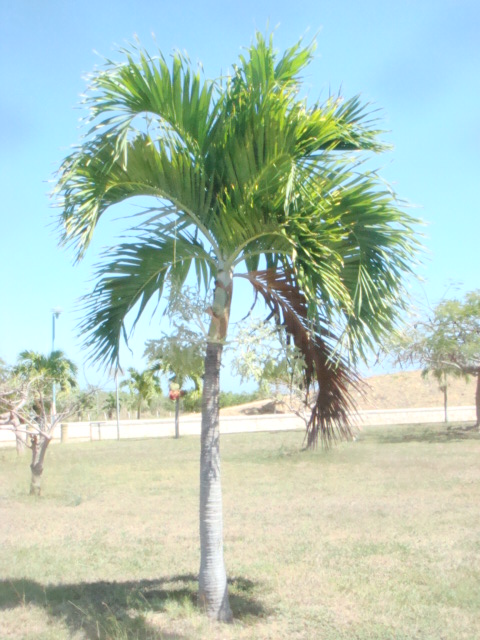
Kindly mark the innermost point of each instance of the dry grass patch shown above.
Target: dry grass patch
(376, 539)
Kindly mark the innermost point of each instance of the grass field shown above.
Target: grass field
(375, 539)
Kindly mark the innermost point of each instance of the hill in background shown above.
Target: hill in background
(409, 390)
(403, 390)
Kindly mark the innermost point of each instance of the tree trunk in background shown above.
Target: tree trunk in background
(39, 449)
(20, 435)
(177, 418)
(213, 590)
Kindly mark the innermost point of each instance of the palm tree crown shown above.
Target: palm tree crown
(249, 181)
(42, 370)
(144, 385)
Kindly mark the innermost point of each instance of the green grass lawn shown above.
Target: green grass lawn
(374, 539)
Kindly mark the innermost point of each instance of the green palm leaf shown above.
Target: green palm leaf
(133, 274)
(42, 370)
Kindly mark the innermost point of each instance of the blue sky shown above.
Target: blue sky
(419, 61)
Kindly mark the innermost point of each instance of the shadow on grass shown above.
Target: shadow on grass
(104, 610)
(429, 433)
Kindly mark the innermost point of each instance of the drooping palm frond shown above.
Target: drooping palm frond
(340, 125)
(332, 411)
(96, 177)
(134, 274)
(354, 243)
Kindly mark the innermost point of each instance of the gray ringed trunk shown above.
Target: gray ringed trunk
(212, 582)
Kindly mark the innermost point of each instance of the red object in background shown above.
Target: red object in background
(175, 394)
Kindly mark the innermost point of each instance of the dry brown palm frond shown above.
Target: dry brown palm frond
(334, 406)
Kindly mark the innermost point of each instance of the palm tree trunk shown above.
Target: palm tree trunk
(212, 581)
(213, 590)
(177, 418)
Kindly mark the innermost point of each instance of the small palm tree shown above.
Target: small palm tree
(110, 405)
(42, 372)
(85, 402)
(38, 373)
(142, 385)
(180, 356)
(248, 181)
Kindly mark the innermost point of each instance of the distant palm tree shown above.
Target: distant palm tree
(39, 372)
(110, 405)
(245, 174)
(142, 385)
(181, 356)
(42, 372)
(85, 402)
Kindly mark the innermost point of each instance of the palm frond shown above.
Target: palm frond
(96, 177)
(131, 275)
(354, 243)
(45, 369)
(334, 405)
(340, 125)
(176, 98)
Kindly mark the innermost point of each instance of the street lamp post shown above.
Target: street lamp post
(55, 314)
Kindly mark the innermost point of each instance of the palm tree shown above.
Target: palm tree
(110, 404)
(180, 356)
(85, 402)
(38, 373)
(143, 385)
(43, 371)
(248, 181)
